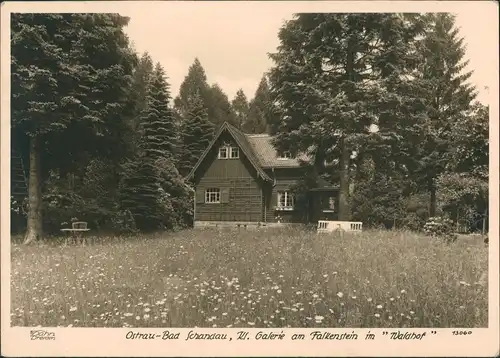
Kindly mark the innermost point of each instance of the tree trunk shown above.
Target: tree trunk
(344, 210)
(432, 190)
(34, 227)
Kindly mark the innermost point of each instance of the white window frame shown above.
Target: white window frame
(285, 156)
(212, 196)
(237, 151)
(223, 150)
(289, 200)
(228, 152)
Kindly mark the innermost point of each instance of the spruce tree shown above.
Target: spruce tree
(140, 192)
(158, 119)
(260, 119)
(197, 132)
(152, 178)
(194, 82)
(141, 81)
(215, 101)
(442, 86)
(240, 107)
(220, 109)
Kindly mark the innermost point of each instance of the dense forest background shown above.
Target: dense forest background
(382, 102)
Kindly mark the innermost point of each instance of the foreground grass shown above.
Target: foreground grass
(252, 279)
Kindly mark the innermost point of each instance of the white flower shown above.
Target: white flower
(379, 307)
(377, 315)
(318, 319)
(340, 294)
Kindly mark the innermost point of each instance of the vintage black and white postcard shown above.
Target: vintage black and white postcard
(244, 178)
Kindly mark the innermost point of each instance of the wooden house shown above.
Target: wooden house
(241, 179)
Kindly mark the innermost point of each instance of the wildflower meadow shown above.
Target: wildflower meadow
(267, 278)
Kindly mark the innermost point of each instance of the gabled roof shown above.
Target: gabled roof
(242, 141)
(268, 155)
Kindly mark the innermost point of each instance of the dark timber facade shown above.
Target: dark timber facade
(240, 178)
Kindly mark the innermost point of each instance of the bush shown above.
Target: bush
(440, 227)
(123, 222)
(413, 221)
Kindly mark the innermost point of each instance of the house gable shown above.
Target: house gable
(243, 145)
(221, 164)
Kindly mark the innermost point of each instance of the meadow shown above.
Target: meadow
(268, 278)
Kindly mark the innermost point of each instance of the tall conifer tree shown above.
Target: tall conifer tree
(68, 94)
(152, 177)
(197, 132)
(240, 107)
(158, 119)
(219, 109)
(141, 81)
(448, 97)
(260, 118)
(194, 82)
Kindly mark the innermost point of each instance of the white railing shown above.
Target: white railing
(330, 226)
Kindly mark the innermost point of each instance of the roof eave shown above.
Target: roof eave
(257, 166)
(202, 157)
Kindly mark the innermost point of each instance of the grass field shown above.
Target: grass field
(252, 279)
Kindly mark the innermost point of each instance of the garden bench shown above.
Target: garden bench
(78, 228)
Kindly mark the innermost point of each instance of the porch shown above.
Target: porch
(323, 202)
